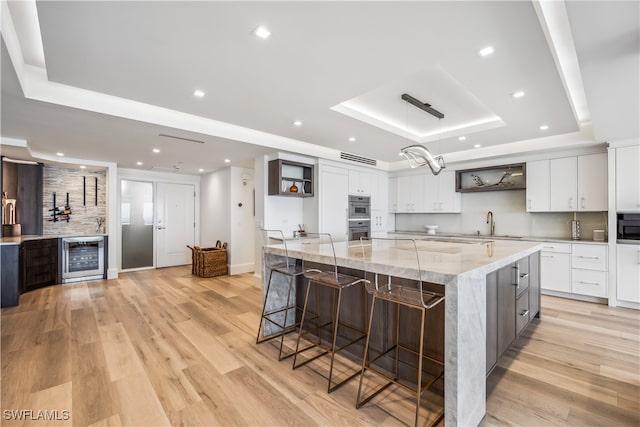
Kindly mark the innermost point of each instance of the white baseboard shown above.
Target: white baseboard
(112, 273)
(569, 295)
(241, 268)
(627, 304)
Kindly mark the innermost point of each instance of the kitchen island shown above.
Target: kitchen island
(462, 268)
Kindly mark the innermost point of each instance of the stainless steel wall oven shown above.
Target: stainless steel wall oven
(82, 258)
(359, 217)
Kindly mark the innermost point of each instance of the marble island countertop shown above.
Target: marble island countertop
(440, 261)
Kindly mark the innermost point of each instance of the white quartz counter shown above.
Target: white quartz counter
(440, 261)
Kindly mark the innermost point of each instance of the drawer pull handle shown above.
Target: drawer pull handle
(524, 313)
(548, 256)
(524, 275)
(588, 257)
(588, 283)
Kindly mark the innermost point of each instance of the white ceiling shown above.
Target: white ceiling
(320, 54)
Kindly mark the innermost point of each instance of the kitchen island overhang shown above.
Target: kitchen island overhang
(462, 268)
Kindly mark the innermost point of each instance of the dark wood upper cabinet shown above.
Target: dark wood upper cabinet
(24, 183)
(289, 178)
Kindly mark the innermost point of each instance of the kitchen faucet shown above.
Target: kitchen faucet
(492, 226)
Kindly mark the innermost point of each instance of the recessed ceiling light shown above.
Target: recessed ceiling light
(462, 138)
(59, 154)
(200, 170)
(544, 127)
(139, 163)
(198, 93)
(477, 146)
(156, 150)
(352, 139)
(262, 32)
(83, 167)
(486, 51)
(297, 123)
(227, 161)
(518, 94)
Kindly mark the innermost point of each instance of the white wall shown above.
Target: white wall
(242, 243)
(214, 207)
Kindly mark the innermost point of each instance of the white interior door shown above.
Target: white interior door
(175, 223)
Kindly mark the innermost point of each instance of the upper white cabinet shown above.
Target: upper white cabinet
(380, 192)
(411, 193)
(563, 176)
(628, 272)
(440, 193)
(568, 184)
(592, 182)
(628, 179)
(360, 182)
(538, 186)
(393, 194)
(333, 202)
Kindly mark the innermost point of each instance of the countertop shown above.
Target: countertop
(424, 234)
(440, 261)
(16, 240)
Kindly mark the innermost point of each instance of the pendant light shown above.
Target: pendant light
(418, 155)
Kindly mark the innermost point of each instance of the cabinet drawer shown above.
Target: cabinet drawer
(522, 312)
(522, 281)
(589, 257)
(564, 248)
(589, 282)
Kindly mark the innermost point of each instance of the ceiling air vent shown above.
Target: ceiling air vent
(358, 159)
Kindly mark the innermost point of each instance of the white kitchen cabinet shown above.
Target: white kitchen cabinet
(380, 192)
(378, 221)
(590, 283)
(628, 273)
(628, 179)
(334, 197)
(360, 182)
(538, 186)
(555, 266)
(555, 271)
(592, 182)
(568, 184)
(411, 193)
(563, 176)
(393, 194)
(440, 193)
(590, 269)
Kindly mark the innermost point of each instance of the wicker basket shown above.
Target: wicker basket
(208, 262)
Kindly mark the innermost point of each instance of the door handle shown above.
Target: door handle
(160, 227)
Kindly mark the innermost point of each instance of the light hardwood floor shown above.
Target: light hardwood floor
(160, 347)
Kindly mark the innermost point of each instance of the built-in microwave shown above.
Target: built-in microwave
(359, 207)
(628, 226)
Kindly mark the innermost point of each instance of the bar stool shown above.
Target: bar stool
(273, 316)
(398, 251)
(337, 283)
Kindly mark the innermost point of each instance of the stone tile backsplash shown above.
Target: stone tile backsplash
(83, 219)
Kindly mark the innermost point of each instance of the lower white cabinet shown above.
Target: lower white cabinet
(575, 268)
(589, 282)
(555, 271)
(628, 273)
